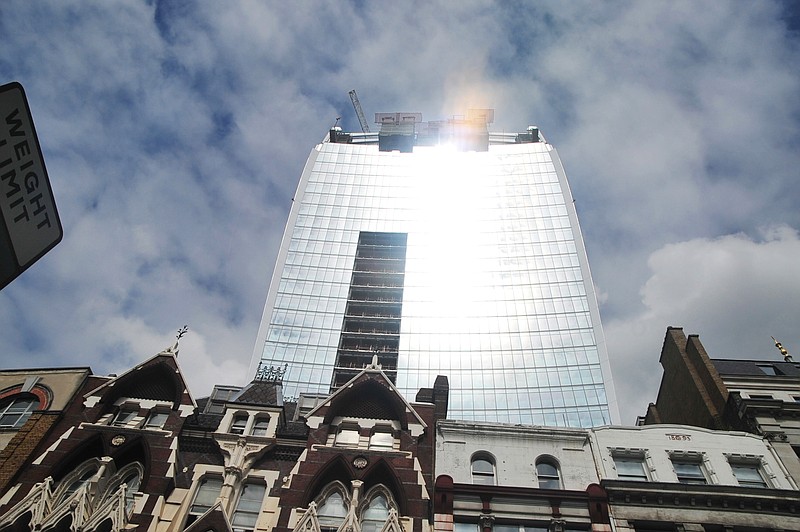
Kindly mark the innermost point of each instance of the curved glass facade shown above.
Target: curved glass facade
(495, 294)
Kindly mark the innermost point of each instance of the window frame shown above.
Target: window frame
(376, 445)
(631, 457)
(153, 415)
(204, 480)
(364, 505)
(350, 429)
(689, 479)
(753, 463)
(483, 478)
(322, 499)
(33, 404)
(256, 429)
(239, 428)
(546, 480)
(238, 511)
(133, 410)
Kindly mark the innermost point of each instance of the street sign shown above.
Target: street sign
(29, 225)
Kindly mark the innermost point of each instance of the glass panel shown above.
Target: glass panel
(548, 475)
(347, 437)
(260, 426)
(238, 425)
(630, 468)
(206, 495)
(248, 507)
(749, 475)
(689, 472)
(332, 511)
(482, 471)
(381, 440)
(124, 416)
(17, 412)
(375, 515)
(157, 419)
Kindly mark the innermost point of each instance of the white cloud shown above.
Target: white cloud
(735, 291)
(175, 135)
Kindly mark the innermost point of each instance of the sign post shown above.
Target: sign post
(29, 224)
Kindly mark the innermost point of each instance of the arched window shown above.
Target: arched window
(15, 411)
(77, 479)
(239, 424)
(374, 509)
(130, 475)
(483, 469)
(547, 473)
(332, 507)
(260, 426)
(248, 507)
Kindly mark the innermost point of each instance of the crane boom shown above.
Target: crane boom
(359, 112)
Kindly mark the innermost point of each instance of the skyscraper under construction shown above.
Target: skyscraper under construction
(444, 249)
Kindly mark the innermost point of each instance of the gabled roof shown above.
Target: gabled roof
(372, 373)
(158, 378)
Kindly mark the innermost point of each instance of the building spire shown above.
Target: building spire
(786, 356)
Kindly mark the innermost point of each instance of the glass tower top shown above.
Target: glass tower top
(460, 258)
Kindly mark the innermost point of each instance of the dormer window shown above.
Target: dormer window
(239, 424)
(381, 439)
(347, 436)
(124, 416)
(156, 420)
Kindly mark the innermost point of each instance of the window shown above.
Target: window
(239, 424)
(124, 415)
(760, 396)
(689, 471)
(156, 420)
(248, 507)
(483, 470)
(347, 437)
(260, 426)
(547, 473)
(768, 369)
(206, 496)
(630, 468)
(375, 514)
(748, 474)
(76, 480)
(131, 476)
(332, 511)
(16, 412)
(381, 440)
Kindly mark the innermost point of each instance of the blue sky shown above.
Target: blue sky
(175, 132)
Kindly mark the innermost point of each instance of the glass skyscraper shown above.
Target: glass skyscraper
(444, 249)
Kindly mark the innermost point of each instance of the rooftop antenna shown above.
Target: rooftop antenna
(359, 112)
(786, 356)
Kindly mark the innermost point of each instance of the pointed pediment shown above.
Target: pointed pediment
(370, 394)
(158, 378)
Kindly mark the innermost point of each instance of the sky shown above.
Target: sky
(174, 134)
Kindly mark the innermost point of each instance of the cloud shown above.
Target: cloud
(174, 136)
(735, 291)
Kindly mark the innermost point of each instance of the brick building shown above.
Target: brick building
(758, 396)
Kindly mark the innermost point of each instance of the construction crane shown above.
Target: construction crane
(359, 112)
